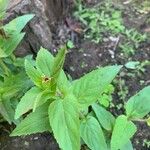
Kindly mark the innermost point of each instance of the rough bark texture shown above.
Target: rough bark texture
(38, 31)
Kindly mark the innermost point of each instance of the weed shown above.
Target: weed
(106, 97)
(146, 143)
(104, 20)
(55, 101)
(98, 20)
(137, 67)
(13, 81)
(70, 109)
(127, 49)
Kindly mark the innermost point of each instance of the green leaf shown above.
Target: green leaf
(10, 44)
(63, 84)
(105, 100)
(13, 87)
(64, 121)
(148, 121)
(105, 118)
(44, 62)
(123, 131)
(35, 122)
(57, 67)
(17, 24)
(6, 110)
(34, 74)
(3, 6)
(132, 64)
(70, 44)
(127, 146)
(58, 62)
(41, 99)
(88, 88)
(92, 134)
(13, 29)
(139, 105)
(27, 102)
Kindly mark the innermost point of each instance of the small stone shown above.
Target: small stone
(36, 138)
(26, 143)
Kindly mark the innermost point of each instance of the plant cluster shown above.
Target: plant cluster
(62, 107)
(98, 20)
(39, 97)
(102, 19)
(13, 80)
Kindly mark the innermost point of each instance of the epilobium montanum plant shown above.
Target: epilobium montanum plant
(62, 107)
(13, 79)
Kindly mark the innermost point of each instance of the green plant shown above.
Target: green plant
(137, 67)
(61, 106)
(127, 49)
(132, 40)
(54, 92)
(106, 97)
(13, 81)
(78, 4)
(103, 20)
(100, 19)
(146, 143)
(3, 6)
(135, 36)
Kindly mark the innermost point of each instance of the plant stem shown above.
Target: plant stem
(139, 120)
(13, 57)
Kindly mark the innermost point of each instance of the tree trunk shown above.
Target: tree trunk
(38, 31)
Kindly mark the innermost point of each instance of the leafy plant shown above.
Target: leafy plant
(132, 40)
(53, 88)
(104, 20)
(137, 67)
(127, 49)
(13, 81)
(135, 36)
(106, 97)
(61, 106)
(3, 6)
(99, 20)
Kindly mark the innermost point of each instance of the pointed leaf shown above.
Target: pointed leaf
(105, 118)
(64, 120)
(6, 110)
(122, 132)
(27, 101)
(57, 67)
(63, 84)
(33, 73)
(3, 6)
(41, 98)
(44, 62)
(18, 23)
(10, 44)
(35, 122)
(58, 62)
(148, 121)
(92, 134)
(139, 105)
(127, 146)
(88, 88)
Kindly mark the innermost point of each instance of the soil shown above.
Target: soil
(85, 57)
(43, 141)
